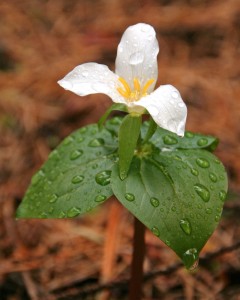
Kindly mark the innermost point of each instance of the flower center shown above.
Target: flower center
(137, 93)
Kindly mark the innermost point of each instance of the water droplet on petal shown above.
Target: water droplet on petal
(154, 202)
(185, 226)
(73, 212)
(222, 195)
(202, 142)
(155, 231)
(76, 154)
(175, 94)
(136, 58)
(213, 177)
(202, 162)
(153, 110)
(53, 198)
(96, 142)
(85, 73)
(103, 178)
(129, 197)
(100, 198)
(77, 179)
(194, 172)
(202, 191)
(169, 140)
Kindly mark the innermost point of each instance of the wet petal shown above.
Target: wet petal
(92, 78)
(137, 55)
(166, 108)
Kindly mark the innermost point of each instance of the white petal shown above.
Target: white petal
(137, 55)
(167, 108)
(92, 78)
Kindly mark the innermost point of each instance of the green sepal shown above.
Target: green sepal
(128, 137)
(115, 106)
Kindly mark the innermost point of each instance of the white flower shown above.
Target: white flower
(134, 80)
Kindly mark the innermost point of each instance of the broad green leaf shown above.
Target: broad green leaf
(178, 195)
(166, 139)
(115, 106)
(75, 178)
(128, 136)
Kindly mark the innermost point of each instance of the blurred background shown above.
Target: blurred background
(41, 41)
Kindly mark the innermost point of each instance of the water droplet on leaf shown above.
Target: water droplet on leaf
(202, 191)
(202, 162)
(73, 212)
(169, 140)
(37, 177)
(185, 226)
(129, 197)
(202, 142)
(76, 154)
(62, 215)
(103, 178)
(155, 231)
(194, 172)
(189, 134)
(68, 141)
(96, 142)
(53, 198)
(77, 179)
(154, 202)
(222, 195)
(100, 198)
(213, 177)
(190, 257)
(208, 211)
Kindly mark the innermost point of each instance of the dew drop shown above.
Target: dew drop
(222, 195)
(37, 177)
(167, 243)
(217, 218)
(202, 162)
(194, 172)
(202, 191)
(155, 231)
(202, 142)
(213, 177)
(53, 198)
(43, 215)
(103, 178)
(208, 211)
(77, 179)
(73, 212)
(85, 73)
(190, 258)
(68, 141)
(100, 198)
(136, 58)
(51, 209)
(175, 94)
(154, 202)
(173, 208)
(129, 197)
(185, 226)
(62, 215)
(169, 140)
(189, 134)
(54, 155)
(83, 130)
(96, 142)
(76, 154)
(80, 139)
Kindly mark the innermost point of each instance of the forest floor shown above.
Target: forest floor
(40, 42)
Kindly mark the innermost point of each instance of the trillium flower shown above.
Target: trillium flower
(134, 80)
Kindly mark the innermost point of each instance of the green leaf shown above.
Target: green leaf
(178, 195)
(168, 140)
(128, 137)
(115, 106)
(75, 178)
(151, 130)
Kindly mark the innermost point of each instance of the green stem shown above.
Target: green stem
(137, 261)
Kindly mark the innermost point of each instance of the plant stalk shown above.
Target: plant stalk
(135, 284)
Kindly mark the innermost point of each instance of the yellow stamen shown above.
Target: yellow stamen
(125, 84)
(137, 93)
(123, 92)
(136, 84)
(147, 85)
